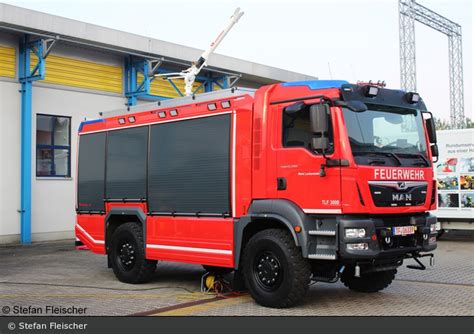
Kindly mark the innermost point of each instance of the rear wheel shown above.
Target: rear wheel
(275, 272)
(127, 255)
(369, 282)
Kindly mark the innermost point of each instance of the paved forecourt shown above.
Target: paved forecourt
(56, 279)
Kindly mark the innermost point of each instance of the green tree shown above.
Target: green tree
(442, 124)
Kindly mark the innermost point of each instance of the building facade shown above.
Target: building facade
(55, 73)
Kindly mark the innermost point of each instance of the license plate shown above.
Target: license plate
(403, 230)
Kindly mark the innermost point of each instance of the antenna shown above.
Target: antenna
(330, 72)
(189, 75)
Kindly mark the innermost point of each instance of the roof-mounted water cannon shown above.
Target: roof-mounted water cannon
(189, 75)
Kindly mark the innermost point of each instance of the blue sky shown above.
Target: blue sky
(346, 39)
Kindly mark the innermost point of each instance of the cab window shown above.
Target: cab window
(297, 131)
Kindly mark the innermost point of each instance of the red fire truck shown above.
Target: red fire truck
(292, 183)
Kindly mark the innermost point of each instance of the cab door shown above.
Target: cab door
(300, 177)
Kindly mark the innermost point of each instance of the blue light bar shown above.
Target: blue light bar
(317, 84)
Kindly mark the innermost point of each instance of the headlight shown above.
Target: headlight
(359, 246)
(355, 232)
(433, 228)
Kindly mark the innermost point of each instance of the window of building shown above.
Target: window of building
(53, 146)
(297, 131)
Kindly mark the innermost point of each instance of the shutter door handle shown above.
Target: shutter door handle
(281, 183)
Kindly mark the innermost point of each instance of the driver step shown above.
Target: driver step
(323, 256)
(322, 232)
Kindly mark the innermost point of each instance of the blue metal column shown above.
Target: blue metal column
(26, 146)
(132, 100)
(225, 82)
(208, 85)
(26, 77)
(130, 81)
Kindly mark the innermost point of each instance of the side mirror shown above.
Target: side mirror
(319, 118)
(435, 151)
(431, 129)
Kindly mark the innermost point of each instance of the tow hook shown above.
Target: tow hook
(420, 265)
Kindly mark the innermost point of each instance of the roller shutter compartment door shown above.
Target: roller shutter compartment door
(189, 166)
(91, 172)
(126, 164)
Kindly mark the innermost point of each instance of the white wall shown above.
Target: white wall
(53, 200)
(9, 161)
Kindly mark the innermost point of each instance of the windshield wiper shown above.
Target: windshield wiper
(419, 155)
(387, 154)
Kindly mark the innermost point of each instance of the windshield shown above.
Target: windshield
(386, 130)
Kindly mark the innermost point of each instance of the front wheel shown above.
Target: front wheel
(369, 282)
(275, 272)
(127, 255)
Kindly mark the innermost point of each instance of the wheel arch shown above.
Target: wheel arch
(121, 215)
(265, 214)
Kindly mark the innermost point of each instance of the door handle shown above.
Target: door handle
(281, 183)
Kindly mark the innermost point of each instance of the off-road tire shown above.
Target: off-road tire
(295, 271)
(141, 270)
(369, 282)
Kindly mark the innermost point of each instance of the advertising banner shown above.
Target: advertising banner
(455, 174)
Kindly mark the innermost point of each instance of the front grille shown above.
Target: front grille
(398, 193)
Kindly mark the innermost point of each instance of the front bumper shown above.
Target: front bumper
(382, 244)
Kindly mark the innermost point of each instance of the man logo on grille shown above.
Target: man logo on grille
(396, 197)
(402, 185)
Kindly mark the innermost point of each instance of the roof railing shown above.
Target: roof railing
(198, 98)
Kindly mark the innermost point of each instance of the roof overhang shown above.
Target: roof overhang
(20, 20)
